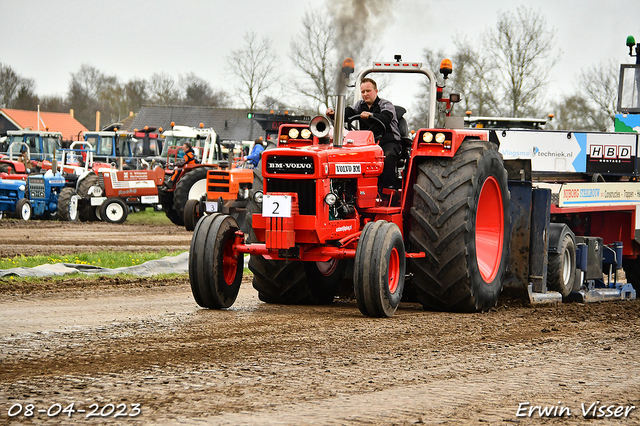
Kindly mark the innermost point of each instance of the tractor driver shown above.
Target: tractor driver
(372, 106)
(189, 157)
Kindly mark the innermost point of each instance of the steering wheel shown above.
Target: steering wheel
(350, 125)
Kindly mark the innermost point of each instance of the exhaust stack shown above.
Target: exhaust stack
(341, 87)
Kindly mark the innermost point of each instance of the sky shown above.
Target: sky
(49, 40)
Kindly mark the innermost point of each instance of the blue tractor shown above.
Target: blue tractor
(43, 196)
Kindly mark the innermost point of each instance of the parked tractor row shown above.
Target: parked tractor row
(476, 212)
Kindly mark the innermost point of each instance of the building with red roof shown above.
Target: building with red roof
(17, 119)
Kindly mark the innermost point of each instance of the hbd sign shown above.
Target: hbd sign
(610, 152)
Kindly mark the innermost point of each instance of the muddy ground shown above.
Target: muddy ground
(145, 341)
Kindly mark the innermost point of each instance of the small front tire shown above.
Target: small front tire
(23, 209)
(379, 270)
(215, 269)
(114, 210)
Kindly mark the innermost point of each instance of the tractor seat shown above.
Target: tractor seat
(405, 138)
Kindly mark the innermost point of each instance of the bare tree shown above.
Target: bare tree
(9, 85)
(162, 89)
(577, 113)
(199, 92)
(523, 50)
(136, 93)
(25, 97)
(255, 67)
(313, 53)
(599, 85)
(330, 36)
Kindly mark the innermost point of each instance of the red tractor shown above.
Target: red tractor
(317, 214)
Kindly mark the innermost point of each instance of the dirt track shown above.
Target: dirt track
(146, 342)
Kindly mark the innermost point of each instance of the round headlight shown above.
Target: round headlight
(257, 197)
(294, 133)
(330, 198)
(440, 137)
(427, 137)
(305, 133)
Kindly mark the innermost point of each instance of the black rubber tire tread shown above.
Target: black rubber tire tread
(555, 268)
(191, 214)
(443, 220)
(64, 202)
(105, 206)
(206, 274)
(22, 202)
(166, 201)
(631, 269)
(87, 212)
(182, 187)
(373, 293)
(363, 252)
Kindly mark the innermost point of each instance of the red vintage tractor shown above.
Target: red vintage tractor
(317, 214)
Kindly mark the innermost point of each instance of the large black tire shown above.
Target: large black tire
(166, 201)
(561, 267)
(114, 210)
(191, 214)
(460, 219)
(379, 269)
(181, 193)
(214, 273)
(67, 209)
(86, 211)
(23, 209)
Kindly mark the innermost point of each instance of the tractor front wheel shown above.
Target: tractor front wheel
(460, 220)
(191, 214)
(379, 269)
(67, 209)
(215, 269)
(23, 209)
(114, 210)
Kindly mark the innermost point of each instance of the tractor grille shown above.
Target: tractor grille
(36, 188)
(305, 188)
(218, 181)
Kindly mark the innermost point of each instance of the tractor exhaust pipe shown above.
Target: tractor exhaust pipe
(341, 86)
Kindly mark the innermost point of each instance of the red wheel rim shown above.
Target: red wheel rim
(489, 229)
(229, 263)
(327, 268)
(394, 270)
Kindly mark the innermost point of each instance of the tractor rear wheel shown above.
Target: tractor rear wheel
(191, 186)
(191, 214)
(87, 212)
(23, 209)
(215, 271)
(379, 269)
(460, 220)
(67, 209)
(166, 201)
(114, 210)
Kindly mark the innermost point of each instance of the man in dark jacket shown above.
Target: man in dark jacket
(372, 106)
